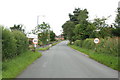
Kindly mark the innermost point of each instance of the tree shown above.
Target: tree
(76, 27)
(18, 27)
(52, 36)
(68, 30)
(43, 31)
(116, 31)
(81, 29)
(78, 15)
(102, 29)
(117, 20)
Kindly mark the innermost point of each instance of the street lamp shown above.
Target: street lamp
(38, 18)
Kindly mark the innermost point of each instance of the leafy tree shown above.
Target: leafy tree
(21, 41)
(105, 32)
(52, 36)
(18, 27)
(8, 44)
(100, 22)
(102, 29)
(78, 22)
(43, 31)
(81, 29)
(68, 30)
(116, 31)
(78, 15)
(117, 20)
(43, 37)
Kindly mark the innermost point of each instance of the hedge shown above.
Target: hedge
(8, 44)
(21, 42)
(107, 46)
(13, 43)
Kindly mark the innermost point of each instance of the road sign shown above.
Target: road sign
(96, 40)
(35, 41)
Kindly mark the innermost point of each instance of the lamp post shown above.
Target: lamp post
(38, 18)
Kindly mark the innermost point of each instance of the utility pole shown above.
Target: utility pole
(37, 20)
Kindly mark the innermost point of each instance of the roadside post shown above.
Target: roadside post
(35, 42)
(96, 41)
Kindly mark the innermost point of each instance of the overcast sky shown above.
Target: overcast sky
(54, 12)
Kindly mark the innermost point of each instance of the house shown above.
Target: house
(59, 37)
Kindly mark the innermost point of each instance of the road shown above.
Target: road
(60, 61)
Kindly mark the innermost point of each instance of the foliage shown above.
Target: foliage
(78, 43)
(80, 23)
(55, 43)
(106, 46)
(8, 44)
(13, 43)
(78, 27)
(116, 31)
(44, 33)
(117, 20)
(68, 30)
(43, 37)
(52, 36)
(47, 47)
(102, 29)
(18, 27)
(43, 49)
(105, 32)
(83, 31)
(21, 41)
(13, 67)
(100, 22)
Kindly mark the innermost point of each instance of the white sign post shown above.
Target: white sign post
(35, 42)
(96, 41)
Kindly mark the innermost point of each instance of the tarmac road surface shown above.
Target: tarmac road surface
(60, 61)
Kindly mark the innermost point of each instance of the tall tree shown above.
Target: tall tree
(52, 36)
(18, 27)
(117, 20)
(102, 29)
(78, 22)
(68, 30)
(116, 31)
(82, 25)
(43, 31)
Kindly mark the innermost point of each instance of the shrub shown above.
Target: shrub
(8, 44)
(106, 46)
(13, 43)
(21, 41)
(89, 44)
(78, 43)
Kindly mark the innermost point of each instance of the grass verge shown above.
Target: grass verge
(43, 48)
(108, 60)
(13, 67)
(55, 43)
(46, 48)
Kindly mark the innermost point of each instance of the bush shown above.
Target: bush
(89, 44)
(78, 43)
(106, 46)
(8, 44)
(21, 41)
(13, 43)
